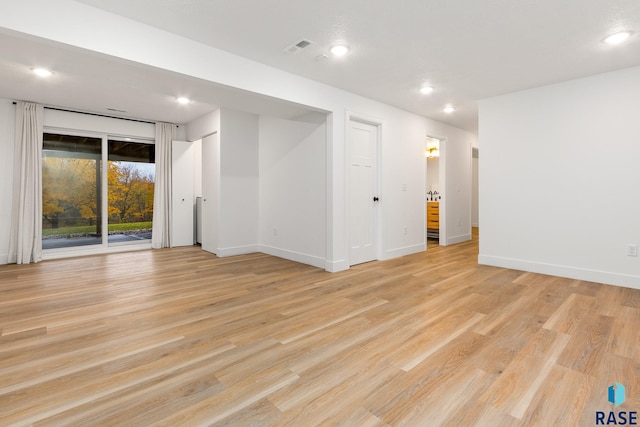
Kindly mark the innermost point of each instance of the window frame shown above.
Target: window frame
(104, 246)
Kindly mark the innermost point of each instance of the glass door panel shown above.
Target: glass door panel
(131, 176)
(71, 191)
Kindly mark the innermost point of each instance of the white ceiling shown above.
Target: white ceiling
(87, 81)
(466, 49)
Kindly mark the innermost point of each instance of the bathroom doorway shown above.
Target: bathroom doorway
(434, 186)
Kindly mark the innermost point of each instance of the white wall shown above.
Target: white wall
(559, 179)
(200, 131)
(195, 131)
(293, 189)
(232, 170)
(7, 124)
(203, 126)
(403, 133)
(402, 172)
(239, 206)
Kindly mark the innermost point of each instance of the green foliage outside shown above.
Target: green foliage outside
(84, 229)
(71, 193)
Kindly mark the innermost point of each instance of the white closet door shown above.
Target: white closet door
(363, 192)
(183, 201)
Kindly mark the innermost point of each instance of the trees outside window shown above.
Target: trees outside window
(72, 196)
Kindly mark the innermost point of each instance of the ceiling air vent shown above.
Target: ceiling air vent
(298, 46)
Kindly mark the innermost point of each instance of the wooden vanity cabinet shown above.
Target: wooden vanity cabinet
(433, 219)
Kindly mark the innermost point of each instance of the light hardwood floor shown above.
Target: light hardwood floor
(179, 337)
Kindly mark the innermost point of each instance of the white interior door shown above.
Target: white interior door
(210, 192)
(363, 143)
(182, 193)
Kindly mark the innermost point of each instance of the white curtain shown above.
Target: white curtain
(160, 237)
(25, 244)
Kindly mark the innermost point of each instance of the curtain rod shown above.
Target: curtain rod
(97, 114)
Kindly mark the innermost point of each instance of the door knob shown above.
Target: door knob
(375, 199)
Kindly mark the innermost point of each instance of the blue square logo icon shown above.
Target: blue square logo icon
(616, 394)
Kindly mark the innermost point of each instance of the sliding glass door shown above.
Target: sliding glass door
(131, 179)
(96, 191)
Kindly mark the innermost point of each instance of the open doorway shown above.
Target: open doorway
(475, 198)
(434, 186)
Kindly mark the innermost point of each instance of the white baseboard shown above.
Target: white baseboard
(294, 256)
(336, 266)
(237, 250)
(4, 259)
(597, 276)
(407, 250)
(458, 239)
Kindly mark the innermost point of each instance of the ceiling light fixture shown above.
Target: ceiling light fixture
(432, 153)
(617, 38)
(42, 72)
(433, 148)
(449, 109)
(340, 50)
(426, 90)
(182, 100)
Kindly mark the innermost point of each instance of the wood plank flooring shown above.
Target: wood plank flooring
(179, 337)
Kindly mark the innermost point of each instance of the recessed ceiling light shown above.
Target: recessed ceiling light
(426, 90)
(42, 72)
(449, 109)
(617, 38)
(182, 100)
(340, 50)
